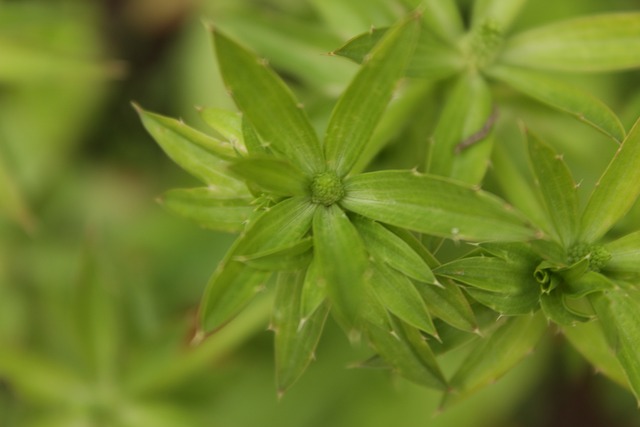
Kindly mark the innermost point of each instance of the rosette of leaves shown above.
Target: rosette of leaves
(338, 240)
(474, 56)
(584, 283)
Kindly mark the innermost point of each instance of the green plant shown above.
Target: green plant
(360, 245)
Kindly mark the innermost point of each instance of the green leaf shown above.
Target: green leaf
(616, 190)
(625, 254)
(398, 294)
(233, 284)
(588, 338)
(588, 283)
(557, 187)
(440, 16)
(561, 96)
(499, 12)
(313, 291)
(275, 176)
(449, 304)
(619, 314)
(496, 355)
(359, 109)
(208, 208)
(519, 252)
(290, 256)
(466, 112)
(555, 309)
(269, 104)
(296, 337)
(386, 246)
(604, 42)
(251, 139)
(191, 150)
(342, 263)
(489, 274)
(433, 205)
(404, 348)
(226, 123)
(12, 202)
(508, 304)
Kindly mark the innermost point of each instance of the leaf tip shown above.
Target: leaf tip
(137, 107)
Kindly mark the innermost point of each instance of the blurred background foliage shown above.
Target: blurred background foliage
(99, 286)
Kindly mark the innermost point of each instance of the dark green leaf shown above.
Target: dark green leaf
(275, 176)
(489, 274)
(562, 96)
(508, 304)
(433, 205)
(208, 208)
(555, 309)
(449, 304)
(359, 109)
(269, 104)
(616, 190)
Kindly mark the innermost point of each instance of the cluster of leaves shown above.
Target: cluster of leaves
(356, 244)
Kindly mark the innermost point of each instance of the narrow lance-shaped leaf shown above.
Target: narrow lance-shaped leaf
(499, 12)
(489, 274)
(290, 256)
(385, 245)
(276, 176)
(433, 205)
(557, 187)
(359, 109)
(496, 355)
(227, 123)
(295, 339)
(208, 208)
(190, 149)
(440, 16)
(616, 190)
(554, 307)
(342, 263)
(449, 304)
(619, 314)
(314, 291)
(467, 115)
(269, 104)
(625, 254)
(604, 42)
(561, 96)
(251, 139)
(233, 284)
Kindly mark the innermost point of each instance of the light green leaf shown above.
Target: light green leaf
(290, 256)
(350, 17)
(561, 96)
(233, 284)
(519, 252)
(296, 337)
(191, 150)
(496, 355)
(466, 112)
(604, 42)
(498, 12)
(555, 309)
(557, 187)
(449, 304)
(404, 348)
(588, 338)
(433, 205)
(273, 175)
(342, 263)
(489, 274)
(416, 244)
(313, 291)
(586, 284)
(227, 123)
(398, 294)
(440, 16)
(251, 139)
(616, 190)
(386, 246)
(508, 304)
(619, 314)
(269, 104)
(625, 254)
(209, 208)
(359, 109)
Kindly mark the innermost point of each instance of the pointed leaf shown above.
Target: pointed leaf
(562, 96)
(290, 256)
(467, 111)
(226, 123)
(408, 353)
(498, 12)
(489, 274)
(269, 104)
(233, 284)
(208, 208)
(496, 355)
(342, 263)
(251, 139)
(592, 43)
(524, 302)
(433, 205)
(295, 339)
(391, 249)
(398, 294)
(625, 254)
(313, 291)
(554, 308)
(449, 304)
(619, 314)
(359, 109)
(616, 190)
(273, 175)
(557, 187)
(440, 16)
